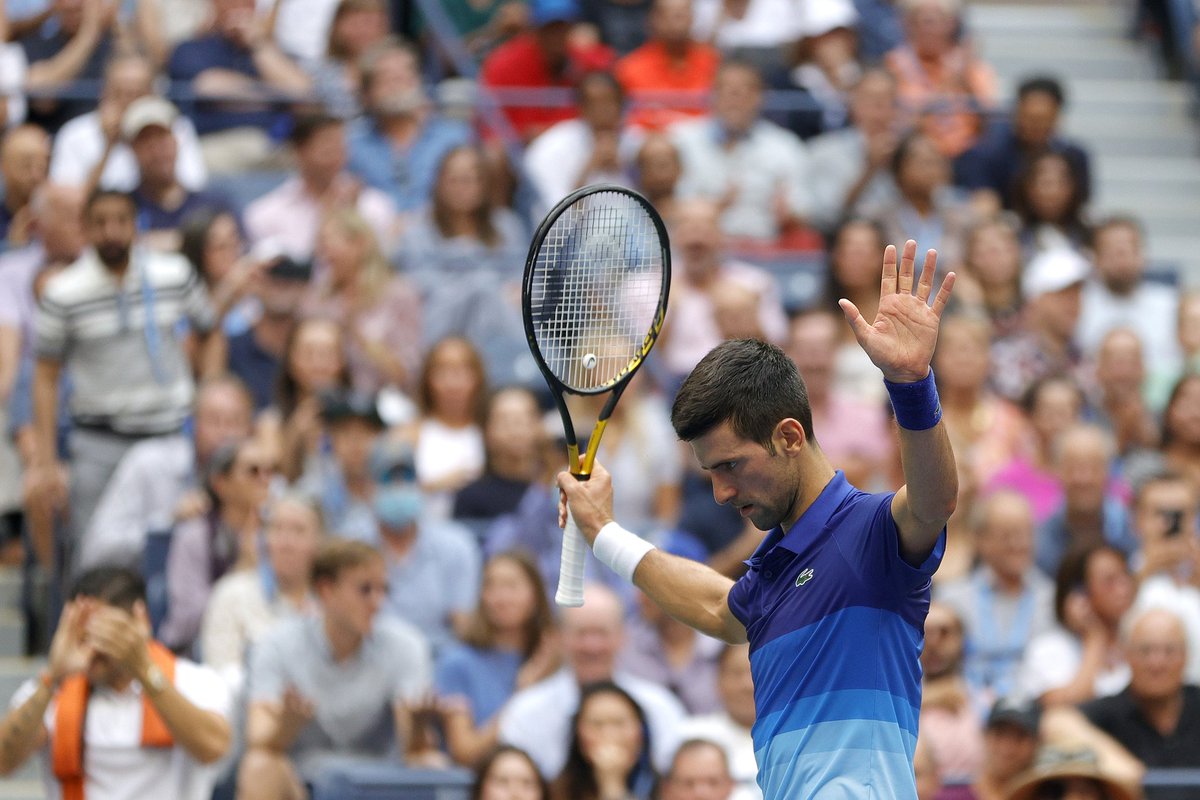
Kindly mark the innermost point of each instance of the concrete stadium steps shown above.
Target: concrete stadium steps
(1139, 127)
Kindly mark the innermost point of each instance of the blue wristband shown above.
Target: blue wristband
(916, 404)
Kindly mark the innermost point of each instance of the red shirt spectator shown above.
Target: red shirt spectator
(544, 58)
(670, 62)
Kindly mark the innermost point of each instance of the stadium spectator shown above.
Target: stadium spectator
(24, 161)
(314, 363)
(289, 217)
(163, 202)
(1120, 296)
(609, 752)
(301, 28)
(236, 69)
(701, 267)
(623, 25)
(944, 89)
(221, 539)
(591, 148)
(451, 393)
(766, 33)
(1157, 716)
(1119, 403)
(340, 476)
(433, 564)
(1050, 202)
(1091, 509)
(730, 727)
(826, 66)
(1053, 288)
(926, 207)
(670, 74)
(211, 240)
(514, 450)
(855, 433)
(543, 57)
(987, 431)
(853, 257)
(755, 170)
(990, 278)
(113, 707)
(397, 145)
(949, 720)
(357, 26)
(1081, 657)
(1180, 446)
(130, 385)
(333, 686)
(256, 355)
(997, 159)
(508, 773)
(1010, 742)
(699, 771)
(658, 169)
(926, 771)
(538, 718)
(1005, 601)
(507, 644)
(72, 41)
(850, 166)
(1068, 773)
(246, 604)
(159, 481)
(90, 150)
(378, 311)
(1168, 560)
(662, 649)
(482, 26)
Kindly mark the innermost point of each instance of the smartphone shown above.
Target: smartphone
(1174, 523)
(286, 268)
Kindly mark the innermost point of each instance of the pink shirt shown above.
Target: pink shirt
(291, 217)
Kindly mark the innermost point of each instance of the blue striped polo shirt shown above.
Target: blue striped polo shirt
(835, 618)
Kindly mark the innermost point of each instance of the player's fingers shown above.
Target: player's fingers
(888, 285)
(562, 508)
(858, 323)
(943, 295)
(904, 279)
(925, 285)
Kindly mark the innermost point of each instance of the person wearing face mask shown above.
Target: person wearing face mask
(433, 566)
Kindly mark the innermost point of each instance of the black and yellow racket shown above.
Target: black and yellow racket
(594, 298)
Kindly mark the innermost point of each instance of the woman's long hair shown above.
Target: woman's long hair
(578, 778)
(483, 214)
(479, 631)
(485, 767)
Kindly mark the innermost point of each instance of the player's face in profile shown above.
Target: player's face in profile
(761, 486)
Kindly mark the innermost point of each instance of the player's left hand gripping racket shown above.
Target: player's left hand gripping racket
(594, 298)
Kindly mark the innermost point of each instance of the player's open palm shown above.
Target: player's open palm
(901, 339)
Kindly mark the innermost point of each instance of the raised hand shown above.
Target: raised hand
(70, 653)
(901, 339)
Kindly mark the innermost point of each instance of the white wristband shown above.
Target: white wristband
(620, 550)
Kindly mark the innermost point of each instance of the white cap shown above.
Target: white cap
(1053, 271)
(147, 111)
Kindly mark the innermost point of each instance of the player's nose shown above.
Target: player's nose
(722, 492)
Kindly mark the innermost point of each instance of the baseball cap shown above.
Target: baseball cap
(393, 460)
(147, 111)
(1022, 714)
(339, 406)
(1053, 271)
(543, 12)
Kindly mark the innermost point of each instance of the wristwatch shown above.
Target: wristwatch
(155, 680)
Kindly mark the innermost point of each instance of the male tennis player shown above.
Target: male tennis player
(834, 602)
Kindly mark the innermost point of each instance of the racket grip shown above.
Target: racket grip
(570, 569)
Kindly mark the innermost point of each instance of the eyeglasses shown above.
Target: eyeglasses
(366, 589)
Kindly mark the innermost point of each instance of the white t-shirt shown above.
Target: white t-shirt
(115, 765)
(79, 146)
(443, 451)
(768, 23)
(1051, 661)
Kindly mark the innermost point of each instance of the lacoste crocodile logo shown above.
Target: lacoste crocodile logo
(804, 577)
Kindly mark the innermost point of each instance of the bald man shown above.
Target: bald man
(24, 164)
(699, 771)
(1157, 717)
(538, 718)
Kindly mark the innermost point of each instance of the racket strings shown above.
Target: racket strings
(596, 287)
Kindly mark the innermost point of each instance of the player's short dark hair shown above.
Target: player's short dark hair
(114, 586)
(100, 195)
(307, 126)
(1043, 84)
(749, 383)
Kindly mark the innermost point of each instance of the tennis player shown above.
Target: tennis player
(834, 601)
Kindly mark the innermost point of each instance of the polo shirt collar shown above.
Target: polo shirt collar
(814, 518)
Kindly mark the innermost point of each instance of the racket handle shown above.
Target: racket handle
(570, 569)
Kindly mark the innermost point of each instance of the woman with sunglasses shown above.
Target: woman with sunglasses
(221, 540)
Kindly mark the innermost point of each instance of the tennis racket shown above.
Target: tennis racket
(593, 298)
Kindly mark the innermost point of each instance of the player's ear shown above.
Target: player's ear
(789, 436)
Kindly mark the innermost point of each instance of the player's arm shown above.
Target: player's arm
(689, 591)
(901, 342)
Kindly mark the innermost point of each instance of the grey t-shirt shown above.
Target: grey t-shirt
(354, 699)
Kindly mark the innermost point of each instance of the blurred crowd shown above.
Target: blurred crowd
(266, 392)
